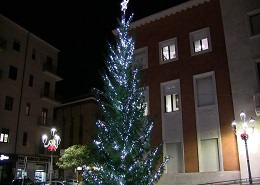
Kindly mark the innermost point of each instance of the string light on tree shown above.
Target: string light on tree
(123, 140)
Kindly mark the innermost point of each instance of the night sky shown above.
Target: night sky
(80, 29)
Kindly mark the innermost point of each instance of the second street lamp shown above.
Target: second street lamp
(52, 146)
(243, 132)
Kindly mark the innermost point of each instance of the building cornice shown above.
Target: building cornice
(164, 13)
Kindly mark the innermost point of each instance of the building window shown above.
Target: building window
(209, 155)
(253, 22)
(13, 72)
(145, 101)
(9, 103)
(141, 57)
(49, 63)
(200, 41)
(72, 130)
(16, 45)
(168, 50)
(24, 138)
(171, 102)
(34, 54)
(44, 116)
(205, 91)
(81, 129)
(2, 44)
(31, 80)
(171, 97)
(257, 69)
(41, 147)
(4, 137)
(27, 109)
(174, 151)
(46, 90)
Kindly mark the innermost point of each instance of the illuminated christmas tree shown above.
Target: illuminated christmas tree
(126, 154)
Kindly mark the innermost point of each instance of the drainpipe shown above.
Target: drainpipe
(21, 93)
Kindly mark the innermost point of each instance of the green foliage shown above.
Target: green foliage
(125, 152)
(74, 156)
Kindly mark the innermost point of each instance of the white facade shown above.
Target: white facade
(28, 75)
(243, 52)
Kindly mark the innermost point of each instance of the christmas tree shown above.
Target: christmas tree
(126, 155)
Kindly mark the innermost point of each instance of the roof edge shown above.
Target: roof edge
(164, 13)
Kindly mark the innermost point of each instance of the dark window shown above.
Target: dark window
(81, 130)
(34, 54)
(44, 116)
(49, 63)
(27, 109)
(16, 45)
(9, 103)
(4, 137)
(31, 80)
(258, 70)
(2, 44)
(13, 72)
(41, 147)
(46, 89)
(24, 138)
(255, 24)
(71, 131)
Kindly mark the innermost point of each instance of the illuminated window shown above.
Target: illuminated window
(200, 41)
(171, 102)
(146, 100)
(201, 45)
(4, 137)
(168, 50)
(27, 109)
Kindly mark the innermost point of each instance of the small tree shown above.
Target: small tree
(124, 137)
(75, 156)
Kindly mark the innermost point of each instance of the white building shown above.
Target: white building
(28, 75)
(241, 22)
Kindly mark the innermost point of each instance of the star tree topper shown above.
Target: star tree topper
(124, 5)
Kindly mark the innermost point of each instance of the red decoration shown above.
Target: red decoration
(52, 148)
(244, 136)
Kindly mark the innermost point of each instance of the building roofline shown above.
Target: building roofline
(28, 32)
(164, 13)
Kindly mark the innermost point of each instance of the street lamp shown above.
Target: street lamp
(243, 132)
(51, 145)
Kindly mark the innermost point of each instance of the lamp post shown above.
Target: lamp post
(51, 145)
(243, 132)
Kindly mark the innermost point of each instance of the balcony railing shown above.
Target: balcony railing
(50, 96)
(51, 70)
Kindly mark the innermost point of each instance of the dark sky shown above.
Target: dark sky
(80, 29)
